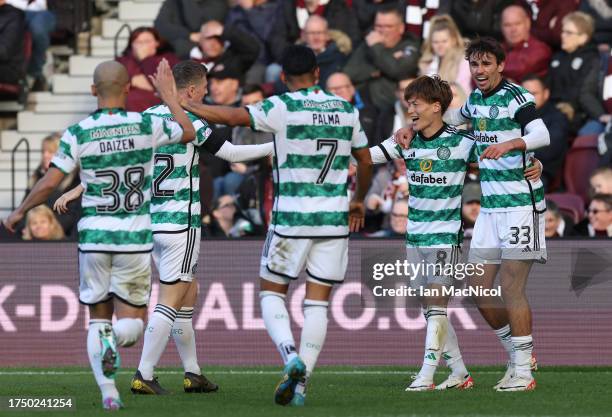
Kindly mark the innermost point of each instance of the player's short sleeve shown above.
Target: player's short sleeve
(521, 105)
(359, 139)
(267, 115)
(164, 132)
(66, 157)
(465, 110)
(203, 132)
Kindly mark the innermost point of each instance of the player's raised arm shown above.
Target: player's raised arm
(225, 115)
(166, 87)
(39, 194)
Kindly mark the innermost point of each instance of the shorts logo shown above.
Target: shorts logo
(493, 111)
(482, 125)
(194, 268)
(444, 153)
(426, 165)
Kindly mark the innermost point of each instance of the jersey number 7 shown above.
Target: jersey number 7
(333, 145)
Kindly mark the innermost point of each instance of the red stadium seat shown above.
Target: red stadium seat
(581, 160)
(569, 204)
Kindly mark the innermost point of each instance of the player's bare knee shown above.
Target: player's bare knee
(318, 291)
(267, 285)
(172, 295)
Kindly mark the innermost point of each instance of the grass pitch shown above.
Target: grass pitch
(333, 391)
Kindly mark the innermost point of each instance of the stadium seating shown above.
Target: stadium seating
(569, 204)
(70, 99)
(581, 160)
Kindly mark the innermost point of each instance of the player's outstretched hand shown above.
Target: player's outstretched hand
(356, 216)
(61, 204)
(11, 221)
(404, 136)
(163, 81)
(534, 172)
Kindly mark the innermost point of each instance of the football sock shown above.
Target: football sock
(504, 335)
(276, 319)
(435, 340)
(313, 332)
(523, 347)
(128, 331)
(94, 351)
(452, 354)
(184, 338)
(156, 338)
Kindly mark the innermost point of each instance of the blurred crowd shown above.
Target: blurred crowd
(368, 52)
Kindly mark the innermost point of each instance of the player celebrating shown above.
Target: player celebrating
(175, 213)
(436, 163)
(176, 234)
(509, 232)
(315, 134)
(114, 149)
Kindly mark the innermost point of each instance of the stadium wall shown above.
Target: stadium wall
(43, 324)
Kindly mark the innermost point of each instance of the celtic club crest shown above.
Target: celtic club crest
(444, 153)
(493, 111)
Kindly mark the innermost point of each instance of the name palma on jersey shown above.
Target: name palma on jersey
(325, 119)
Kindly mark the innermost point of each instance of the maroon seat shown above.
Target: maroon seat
(569, 204)
(581, 160)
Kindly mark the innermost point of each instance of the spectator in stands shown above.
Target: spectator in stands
(366, 12)
(316, 36)
(68, 220)
(556, 224)
(479, 17)
(525, 54)
(601, 181)
(601, 11)
(292, 16)
(40, 22)
(340, 84)
(599, 221)
(400, 118)
(144, 51)
(443, 53)
(546, 17)
(41, 224)
(255, 17)
(470, 208)
(225, 47)
(574, 76)
(225, 222)
(224, 89)
(12, 32)
(179, 21)
(386, 56)
(419, 14)
(551, 156)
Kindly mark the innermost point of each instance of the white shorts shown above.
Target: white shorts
(435, 262)
(176, 255)
(284, 258)
(517, 235)
(127, 276)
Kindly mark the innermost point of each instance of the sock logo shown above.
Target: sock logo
(313, 346)
(431, 356)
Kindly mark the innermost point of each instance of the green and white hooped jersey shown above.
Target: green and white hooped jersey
(175, 200)
(499, 116)
(314, 133)
(435, 169)
(114, 150)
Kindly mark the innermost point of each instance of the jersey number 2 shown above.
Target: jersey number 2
(165, 173)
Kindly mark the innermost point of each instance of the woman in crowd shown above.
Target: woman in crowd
(143, 53)
(443, 53)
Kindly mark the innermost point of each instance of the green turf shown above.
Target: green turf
(334, 391)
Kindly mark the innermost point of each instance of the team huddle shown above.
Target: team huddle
(140, 196)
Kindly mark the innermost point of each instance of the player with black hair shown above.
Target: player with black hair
(315, 133)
